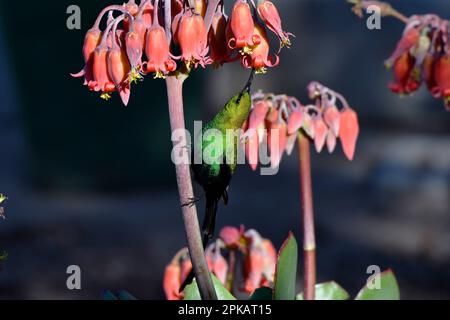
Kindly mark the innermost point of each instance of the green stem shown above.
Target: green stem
(309, 242)
(186, 192)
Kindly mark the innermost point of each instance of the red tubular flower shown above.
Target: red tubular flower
(119, 68)
(217, 39)
(243, 28)
(193, 40)
(405, 82)
(428, 74)
(158, 53)
(231, 236)
(349, 131)
(269, 14)
(410, 38)
(259, 58)
(101, 79)
(147, 14)
(91, 41)
(134, 45)
(172, 282)
(442, 78)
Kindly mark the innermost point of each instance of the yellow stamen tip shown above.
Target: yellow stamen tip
(105, 96)
(261, 71)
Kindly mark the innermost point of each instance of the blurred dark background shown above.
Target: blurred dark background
(91, 183)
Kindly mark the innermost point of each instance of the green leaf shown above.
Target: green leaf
(191, 292)
(328, 291)
(286, 271)
(262, 294)
(2, 198)
(388, 288)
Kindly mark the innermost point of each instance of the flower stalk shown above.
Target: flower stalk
(186, 193)
(309, 242)
(386, 9)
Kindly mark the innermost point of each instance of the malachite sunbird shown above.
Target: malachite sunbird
(215, 171)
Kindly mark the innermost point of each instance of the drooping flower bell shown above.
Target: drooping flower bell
(157, 50)
(442, 78)
(91, 41)
(259, 58)
(242, 28)
(193, 39)
(134, 47)
(281, 118)
(160, 61)
(219, 53)
(119, 68)
(271, 17)
(405, 80)
(172, 281)
(420, 57)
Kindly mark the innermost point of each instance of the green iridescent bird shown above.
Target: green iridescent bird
(219, 160)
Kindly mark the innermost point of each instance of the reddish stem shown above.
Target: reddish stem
(184, 181)
(309, 242)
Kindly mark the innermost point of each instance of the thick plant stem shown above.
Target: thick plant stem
(309, 242)
(186, 192)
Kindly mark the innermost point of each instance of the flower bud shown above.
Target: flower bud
(269, 14)
(349, 131)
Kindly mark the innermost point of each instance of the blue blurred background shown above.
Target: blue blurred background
(91, 183)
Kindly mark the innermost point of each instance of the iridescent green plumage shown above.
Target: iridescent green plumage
(219, 160)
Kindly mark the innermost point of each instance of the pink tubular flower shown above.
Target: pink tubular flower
(134, 45)
(349, 131)
(282, 118)
(242, 28)
(269, 14)
(259, 58)
(158, 54)
(172, 282)
(119, 68)
(193, 39)
(91, 41)
(231, 236)
(101, 79)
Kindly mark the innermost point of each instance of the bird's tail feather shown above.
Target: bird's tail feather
(209, 224)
